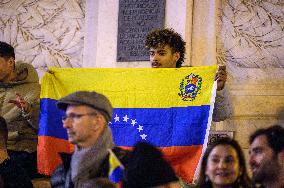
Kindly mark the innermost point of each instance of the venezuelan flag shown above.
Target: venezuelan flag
(170, 108)
(116, 168)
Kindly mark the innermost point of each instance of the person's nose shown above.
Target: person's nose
(155, 57)
(222, 164)
(67, 123)
(251, 159)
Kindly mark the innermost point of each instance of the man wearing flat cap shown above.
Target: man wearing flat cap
(86, 122)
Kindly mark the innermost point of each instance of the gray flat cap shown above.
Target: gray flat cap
(89, 98)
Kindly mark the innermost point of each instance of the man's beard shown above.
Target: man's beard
(267, 171)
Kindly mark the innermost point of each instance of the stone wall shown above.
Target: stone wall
(251, 42)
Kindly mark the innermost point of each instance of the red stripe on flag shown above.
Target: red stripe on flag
(47, 153)
(183, 159)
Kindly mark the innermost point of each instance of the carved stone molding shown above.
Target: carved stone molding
(45, 33)
(252, 33)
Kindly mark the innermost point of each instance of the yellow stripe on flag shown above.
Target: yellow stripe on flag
(142, 86)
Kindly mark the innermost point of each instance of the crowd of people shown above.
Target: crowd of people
(86, 122)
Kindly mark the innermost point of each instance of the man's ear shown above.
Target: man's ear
(98, 122)
(177, 56)
(11, 62)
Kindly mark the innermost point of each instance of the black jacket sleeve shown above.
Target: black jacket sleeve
(14, 176)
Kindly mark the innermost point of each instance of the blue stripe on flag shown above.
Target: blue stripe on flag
(157, 123)
(50, 120)
(130, 125)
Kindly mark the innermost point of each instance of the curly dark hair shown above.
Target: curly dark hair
(6, 50)
(161, 37)
(242, 181)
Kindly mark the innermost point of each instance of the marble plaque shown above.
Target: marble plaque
(135, 20)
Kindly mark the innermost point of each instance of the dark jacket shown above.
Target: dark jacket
(61, 178)
(13, 176)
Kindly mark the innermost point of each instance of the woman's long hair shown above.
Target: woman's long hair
(242, 181)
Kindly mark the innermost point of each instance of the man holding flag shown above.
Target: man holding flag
(167, 50)
(86, 122)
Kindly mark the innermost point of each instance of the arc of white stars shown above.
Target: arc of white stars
(125, 118)
(140, 128)
(133, 122)
(116, 118)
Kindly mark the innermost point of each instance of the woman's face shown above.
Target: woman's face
(222, 166)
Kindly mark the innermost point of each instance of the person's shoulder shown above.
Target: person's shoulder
(23, 69)
(14, 175)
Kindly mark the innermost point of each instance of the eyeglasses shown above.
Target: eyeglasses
(75, 117)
